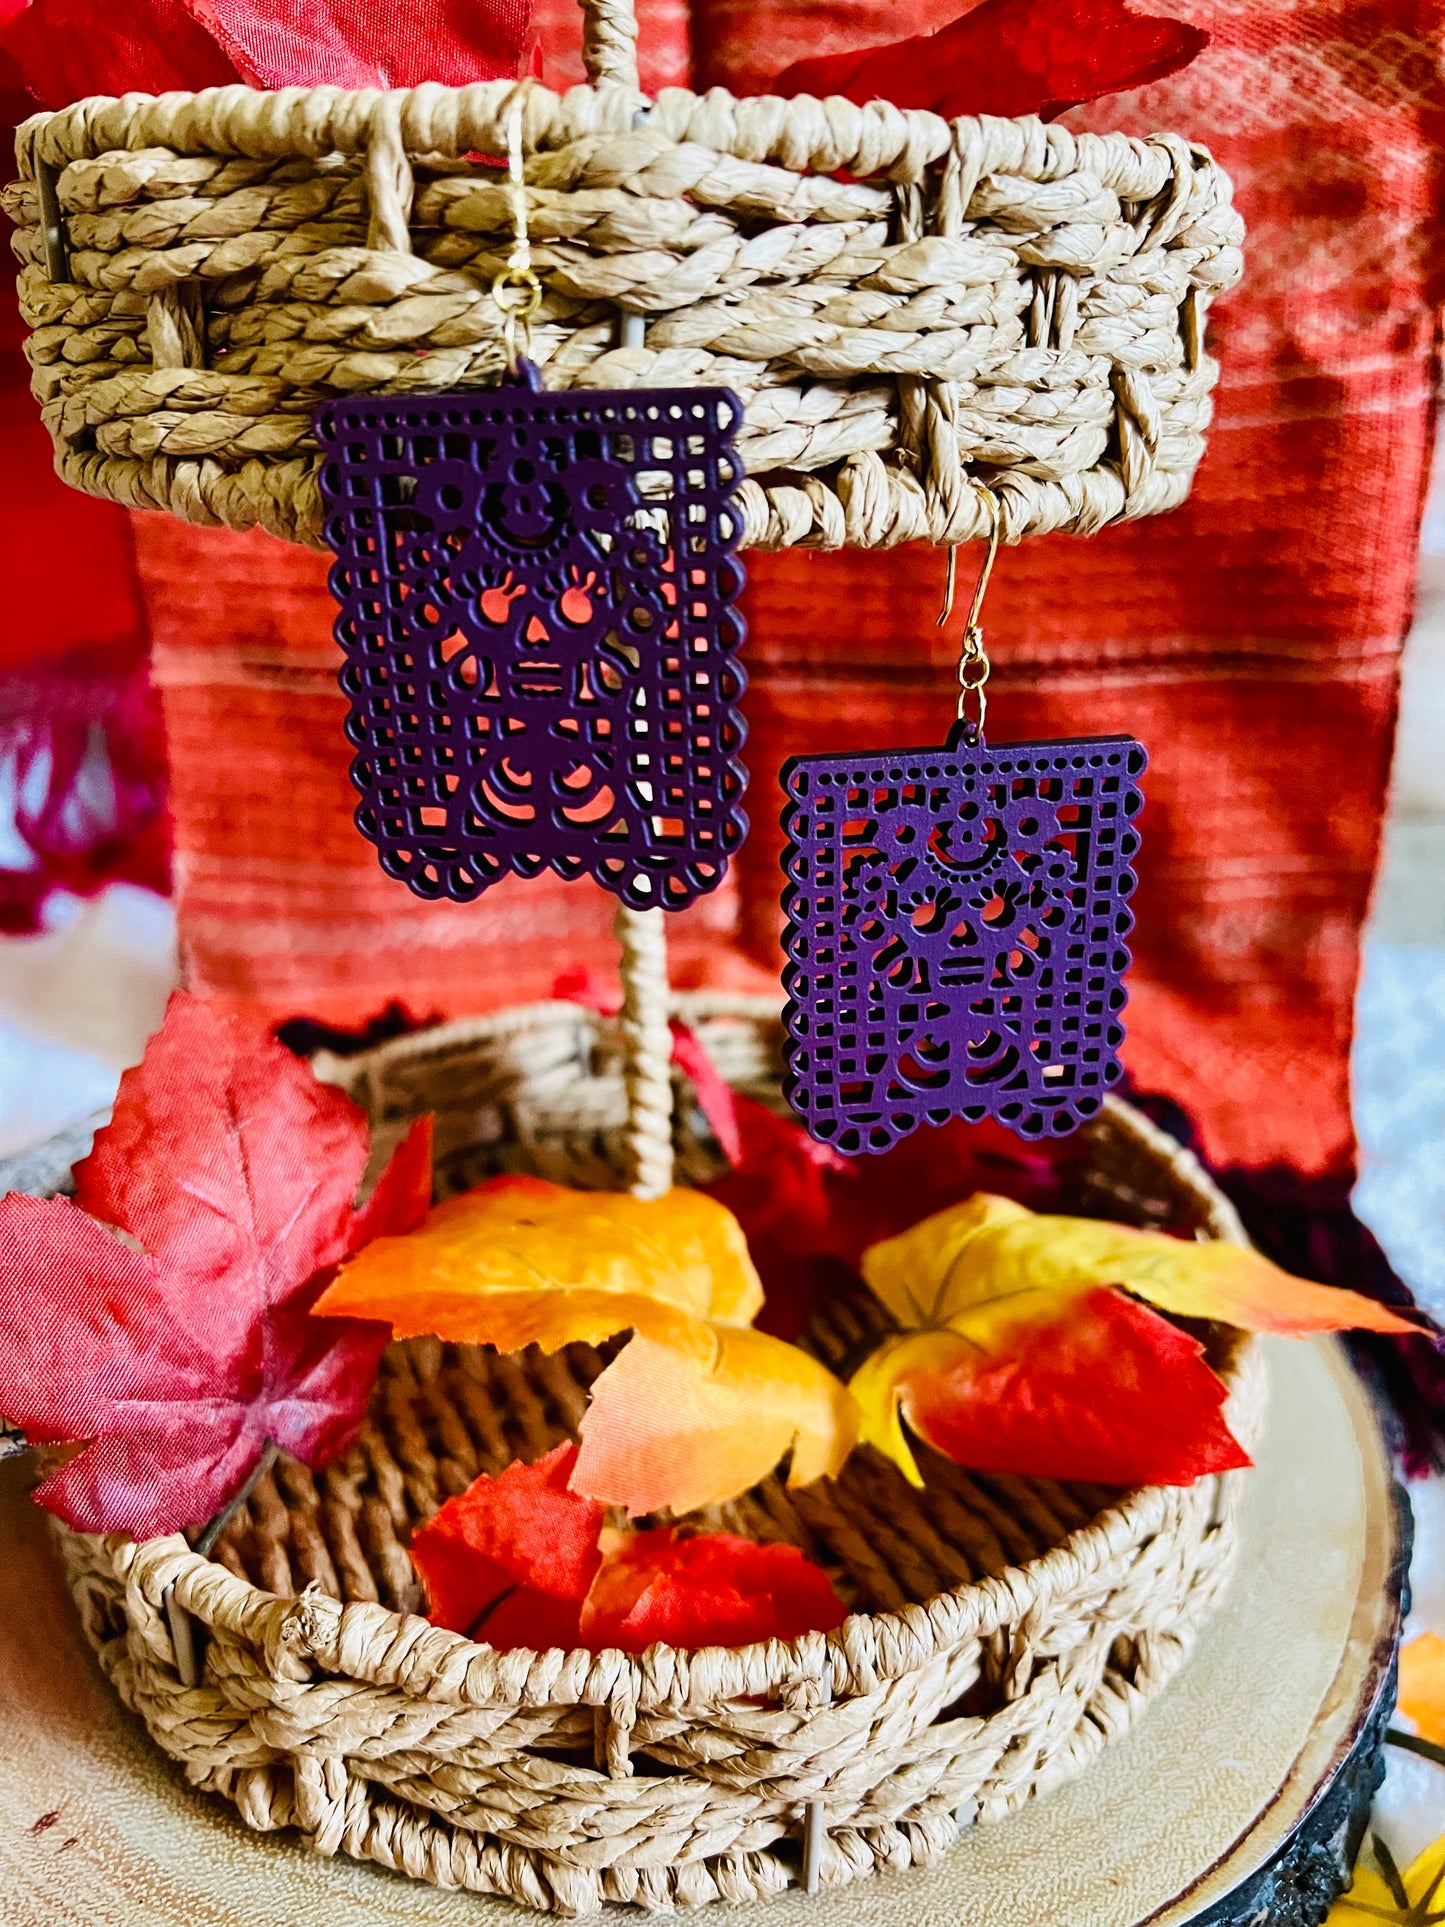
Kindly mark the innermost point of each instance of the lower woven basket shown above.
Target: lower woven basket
(1004, 1629)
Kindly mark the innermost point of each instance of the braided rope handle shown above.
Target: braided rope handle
(609, 43)
(647, 1051)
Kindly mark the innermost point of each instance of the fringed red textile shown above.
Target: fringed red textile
(82, 765)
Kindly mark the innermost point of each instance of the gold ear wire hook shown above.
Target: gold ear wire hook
(972, 661)
(516, 290)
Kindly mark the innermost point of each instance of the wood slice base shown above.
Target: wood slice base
(1240, 1798)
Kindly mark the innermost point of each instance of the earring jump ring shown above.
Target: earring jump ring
(973, 664)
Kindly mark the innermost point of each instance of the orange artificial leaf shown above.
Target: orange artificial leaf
(521, 1537)
(1020, 1355)
(987, 1248)
(688, 1428)
(1422, 1685)
(709, 1589)
(518, 1261)
(697, 1407)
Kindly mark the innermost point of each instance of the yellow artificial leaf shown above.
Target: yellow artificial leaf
(1373, 1897)
(676, 1428)
(1422, 1685)
(989, 1257)
(519, 1261)
(880, 1390)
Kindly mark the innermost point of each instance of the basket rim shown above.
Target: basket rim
(369, 1642)
(803, 133)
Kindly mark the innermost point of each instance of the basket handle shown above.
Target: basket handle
(609, 43)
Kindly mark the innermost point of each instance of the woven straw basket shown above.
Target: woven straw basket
(1004, 1629)
(901, 302)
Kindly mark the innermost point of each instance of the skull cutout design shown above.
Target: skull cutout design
(536, 604)
(956, 935)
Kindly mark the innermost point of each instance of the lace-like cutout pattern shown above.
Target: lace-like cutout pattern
(536, 604)
(956, 932)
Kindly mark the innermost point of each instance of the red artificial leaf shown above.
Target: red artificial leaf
(234, 1170)
(1008, 57)
(710, 1589)
(809, 1214)
(68, 49)
(779, 1192)
(368, 43)
(716, 1098)
(523, 1539)
(1094, 1387)
(531, 1620)
(522, 1560)
(402, 1197)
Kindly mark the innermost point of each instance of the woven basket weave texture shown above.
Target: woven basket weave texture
(1004, 1629)
(905, 305)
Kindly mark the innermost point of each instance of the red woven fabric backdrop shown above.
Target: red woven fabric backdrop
(1251, 639)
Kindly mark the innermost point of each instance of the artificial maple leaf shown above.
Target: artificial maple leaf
(665, 1587)
(522, 1535)
(68, 49)
(1415, 1898)
(522, 1560)
(1018, 1355)
(696, 1408)
(1092, 1386)
(989, 1246)
(686, 1429)
(354, 43)
(235, 1171)
(1008, 57)
(779, 1190)
(1422, 1685)
(519, 1261)
(809, 1213)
